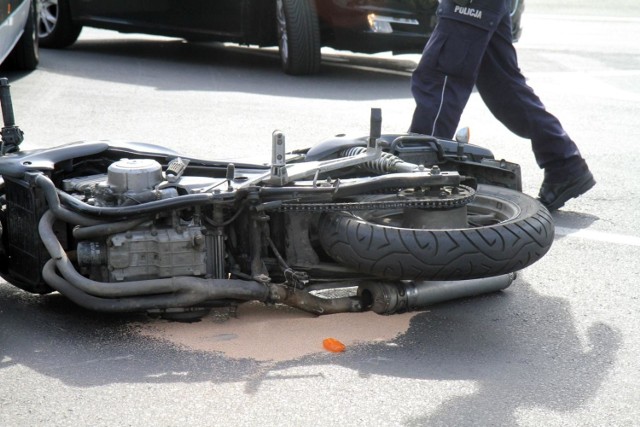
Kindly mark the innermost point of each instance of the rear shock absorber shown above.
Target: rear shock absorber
(387, 163)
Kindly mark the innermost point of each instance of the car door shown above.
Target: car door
(213, 16)
(11, 29)
(170, 17)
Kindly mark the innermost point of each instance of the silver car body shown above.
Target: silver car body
(14, 15)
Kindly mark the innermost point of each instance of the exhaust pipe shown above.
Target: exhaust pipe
(310, 303)
(170, 293)
(400, 297)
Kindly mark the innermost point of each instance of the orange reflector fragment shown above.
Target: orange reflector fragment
(333, 345)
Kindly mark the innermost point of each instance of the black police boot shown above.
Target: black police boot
(553, 195)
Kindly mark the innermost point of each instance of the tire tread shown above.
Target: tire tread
(408, 254)
(303, 37)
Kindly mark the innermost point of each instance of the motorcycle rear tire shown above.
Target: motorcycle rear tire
(522, 233)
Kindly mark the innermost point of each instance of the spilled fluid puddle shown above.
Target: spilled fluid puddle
(275, 332)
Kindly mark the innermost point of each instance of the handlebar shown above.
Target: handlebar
(12, 136)
(5, 102)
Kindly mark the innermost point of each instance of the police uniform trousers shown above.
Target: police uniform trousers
(472, 45)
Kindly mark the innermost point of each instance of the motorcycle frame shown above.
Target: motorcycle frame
(296, 175)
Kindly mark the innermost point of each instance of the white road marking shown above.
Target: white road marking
(584, 18)
(599, 236)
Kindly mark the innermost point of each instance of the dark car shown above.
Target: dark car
(299, 27)
(18, 34)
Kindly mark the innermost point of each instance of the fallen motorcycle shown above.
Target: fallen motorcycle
(388, 223)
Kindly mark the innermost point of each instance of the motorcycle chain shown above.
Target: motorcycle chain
(426, 202)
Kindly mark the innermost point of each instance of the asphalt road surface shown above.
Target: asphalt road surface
(559, 347)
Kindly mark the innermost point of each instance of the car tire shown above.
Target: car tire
(298, 36)
(56, 29)
(25, 54)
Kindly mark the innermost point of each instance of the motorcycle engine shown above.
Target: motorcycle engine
(127, 181)
(169, 245)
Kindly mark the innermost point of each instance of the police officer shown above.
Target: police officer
(472, 45)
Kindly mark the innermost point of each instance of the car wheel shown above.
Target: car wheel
(24, 55)
(55, 27)
(298, 36)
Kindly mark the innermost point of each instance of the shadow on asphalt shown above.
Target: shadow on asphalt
(215, 67)
(570, 219)
(520, 348)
